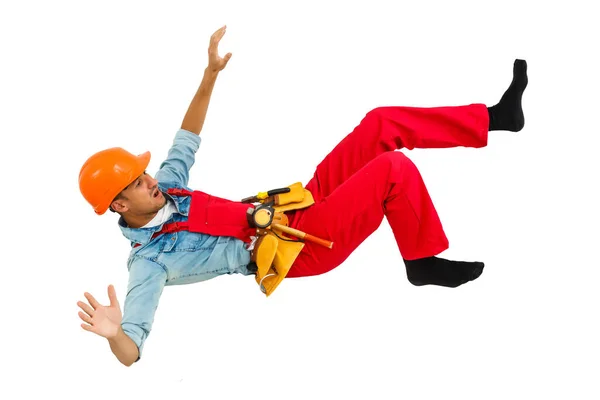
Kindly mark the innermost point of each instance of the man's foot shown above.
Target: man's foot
(507, 115)
(442, 272)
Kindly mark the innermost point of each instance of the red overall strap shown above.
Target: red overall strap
(179, 192)
(211, 215)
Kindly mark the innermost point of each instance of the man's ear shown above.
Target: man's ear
(119, 206)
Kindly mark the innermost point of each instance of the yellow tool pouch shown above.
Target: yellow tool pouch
(273, 253)
(298, 197)
(295, 195)
(274, 258)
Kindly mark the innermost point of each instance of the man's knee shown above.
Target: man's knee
(377, 112)
(394, 157)
(397, 164)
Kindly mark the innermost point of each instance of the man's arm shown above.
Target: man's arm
(127, 333)
(175, 169)
(105, 321)
(124, 348)
(147, 280)
(196, 113)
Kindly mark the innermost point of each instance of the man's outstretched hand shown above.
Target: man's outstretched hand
(215, 62)
(102, 320)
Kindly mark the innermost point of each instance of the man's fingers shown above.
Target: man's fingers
(112, 296)
(86, 308)
(92, 300)
(90, 328)
(226, 59)
(220, 32)
(214, 39)
(85, 317)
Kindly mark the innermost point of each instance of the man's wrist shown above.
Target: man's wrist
(117, 335)
(211, 73)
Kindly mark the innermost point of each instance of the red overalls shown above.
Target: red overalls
(358, 183)
(363, 179)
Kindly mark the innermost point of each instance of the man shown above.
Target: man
(364, 162)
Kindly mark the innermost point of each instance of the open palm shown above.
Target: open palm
(102, 320)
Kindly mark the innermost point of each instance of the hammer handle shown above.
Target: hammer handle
(303, 235)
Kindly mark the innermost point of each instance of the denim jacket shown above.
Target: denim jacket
(174, 258)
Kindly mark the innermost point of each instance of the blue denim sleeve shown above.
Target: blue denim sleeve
(181, 157)
(146, 283)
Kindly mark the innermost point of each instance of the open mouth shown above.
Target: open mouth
(156, 193)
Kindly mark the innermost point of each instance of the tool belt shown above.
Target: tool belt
(262, 227)
(271, 252)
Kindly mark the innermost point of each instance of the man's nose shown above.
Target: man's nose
(152, 182)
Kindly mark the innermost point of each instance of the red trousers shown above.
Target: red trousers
(364, 179)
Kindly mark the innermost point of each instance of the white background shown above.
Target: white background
(77, 77)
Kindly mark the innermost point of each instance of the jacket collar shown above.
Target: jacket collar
(144, 235)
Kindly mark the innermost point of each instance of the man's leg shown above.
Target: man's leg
(390, 185)
(396, 127)
(390, 128)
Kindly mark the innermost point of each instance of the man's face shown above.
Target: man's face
(141, 197)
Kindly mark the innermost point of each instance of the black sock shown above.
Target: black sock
(442, 272)
(507, 115)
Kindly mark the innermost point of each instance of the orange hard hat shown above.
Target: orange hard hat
(105, 174)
